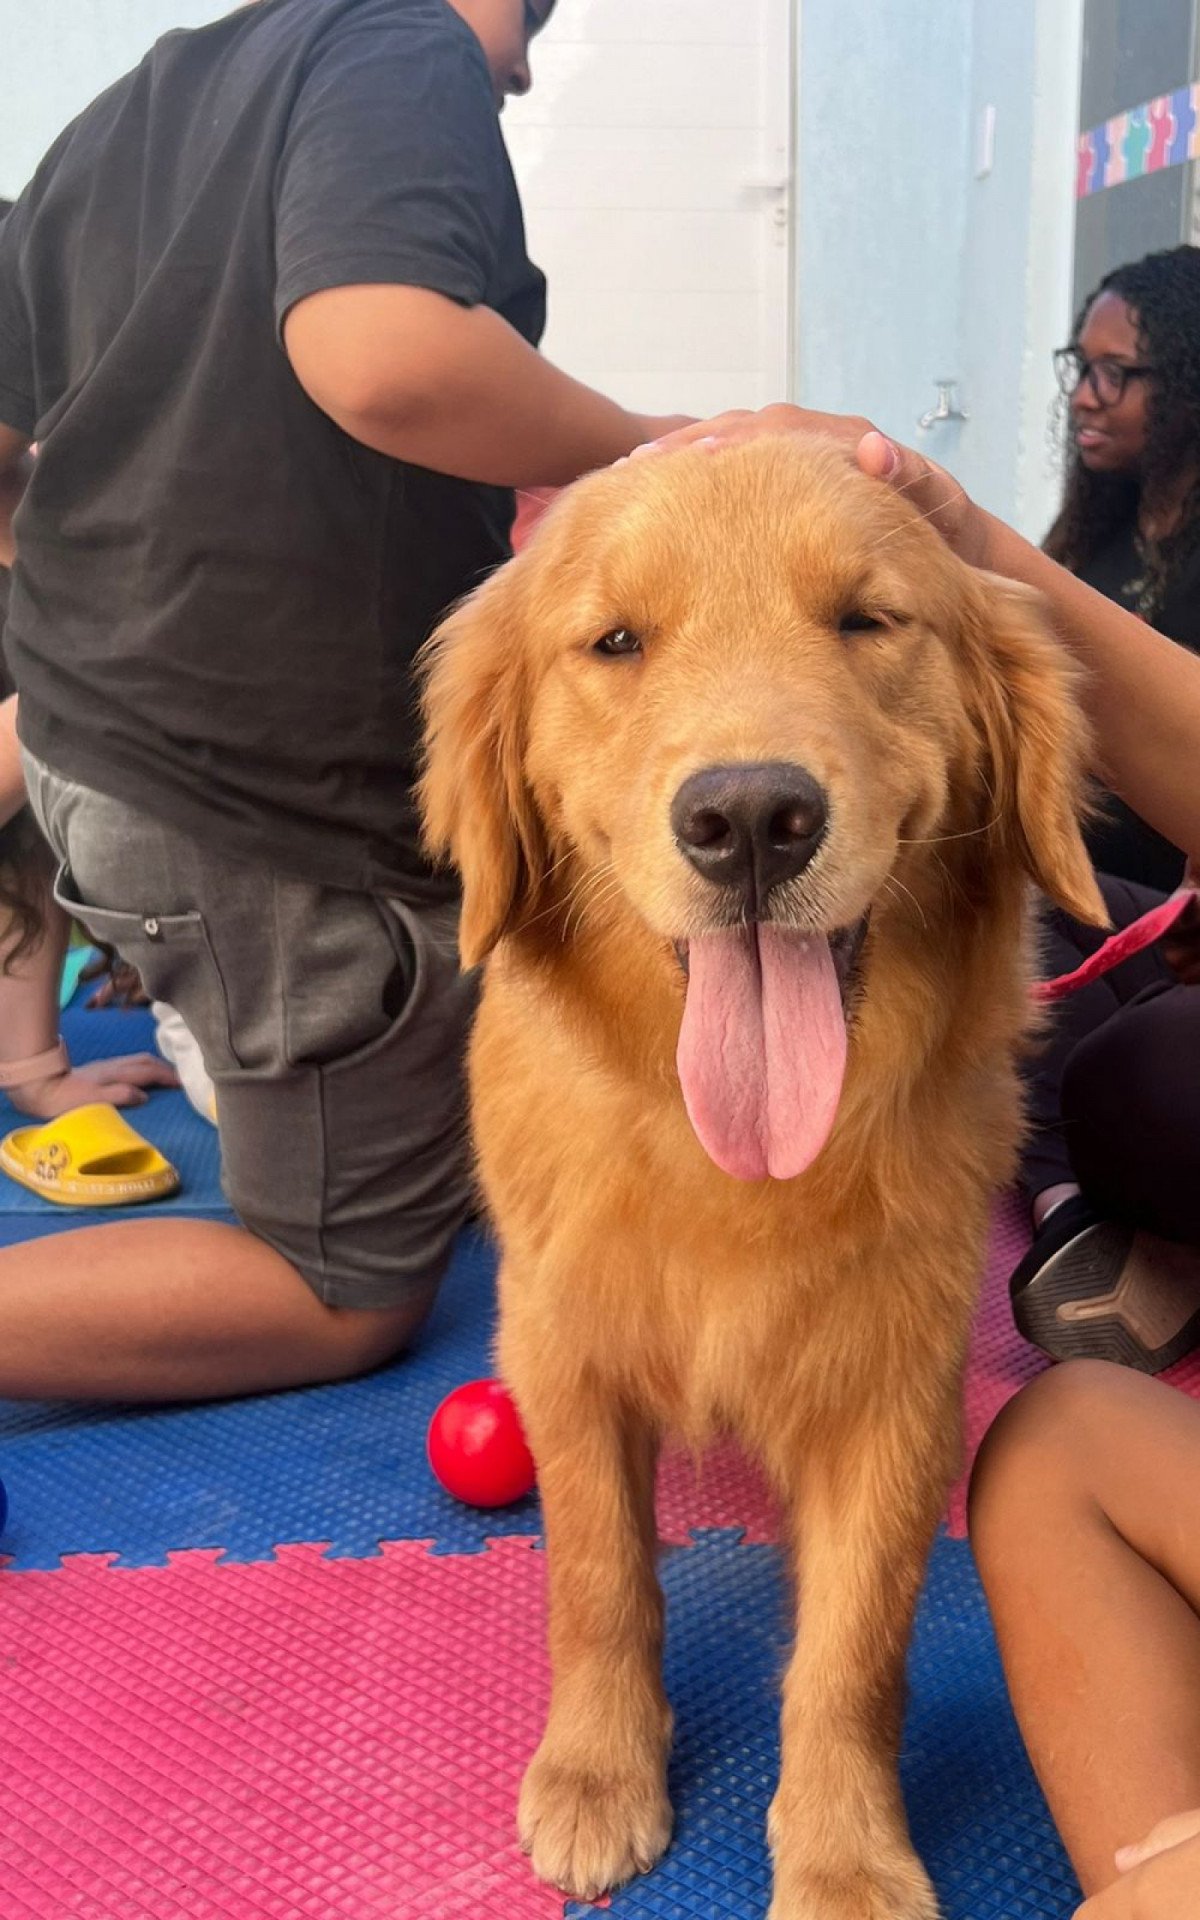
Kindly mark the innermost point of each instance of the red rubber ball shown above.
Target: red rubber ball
(477, 1449)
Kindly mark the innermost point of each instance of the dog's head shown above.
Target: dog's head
(752, 695)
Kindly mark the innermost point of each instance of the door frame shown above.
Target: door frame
(781, 53)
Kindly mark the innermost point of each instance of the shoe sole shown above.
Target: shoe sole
(1113, 1294)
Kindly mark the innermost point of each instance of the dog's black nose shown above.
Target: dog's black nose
(750, 826)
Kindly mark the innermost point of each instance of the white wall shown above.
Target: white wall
(59, 54)
(643, 153)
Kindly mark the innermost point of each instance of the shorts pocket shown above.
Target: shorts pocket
(175, 959)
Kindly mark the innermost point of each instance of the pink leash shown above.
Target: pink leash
(1120, 946)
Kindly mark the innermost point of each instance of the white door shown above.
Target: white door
(654, 157)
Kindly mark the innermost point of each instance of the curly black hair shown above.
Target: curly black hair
(1162, 292)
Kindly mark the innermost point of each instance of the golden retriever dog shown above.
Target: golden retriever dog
(747, 778)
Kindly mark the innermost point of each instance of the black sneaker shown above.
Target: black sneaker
(1091, 1289)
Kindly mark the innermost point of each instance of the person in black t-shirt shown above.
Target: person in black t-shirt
(34, 933)
(267, 310)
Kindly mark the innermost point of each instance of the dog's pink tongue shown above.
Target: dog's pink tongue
(762, 1049)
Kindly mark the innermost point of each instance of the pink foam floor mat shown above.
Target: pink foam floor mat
(340, 1739)
(330, 1739)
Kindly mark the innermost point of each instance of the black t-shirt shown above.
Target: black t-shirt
(219, 593)
(1120, 841)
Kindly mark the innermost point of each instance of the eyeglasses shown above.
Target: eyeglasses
(1106, 377)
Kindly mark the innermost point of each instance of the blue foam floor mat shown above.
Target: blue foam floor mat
(977, 1814)
(344, 1464)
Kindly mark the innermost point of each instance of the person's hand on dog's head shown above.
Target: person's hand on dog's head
(933, 491)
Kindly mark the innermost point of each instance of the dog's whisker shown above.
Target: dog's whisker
(930, 514)
(940, 839)
(560, 863)
(895, 885)
(557, 906)
(595, 902)
(601, 883)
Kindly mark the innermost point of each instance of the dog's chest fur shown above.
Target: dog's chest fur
(717, 1305)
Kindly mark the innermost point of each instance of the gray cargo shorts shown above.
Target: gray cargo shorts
(333, 1025)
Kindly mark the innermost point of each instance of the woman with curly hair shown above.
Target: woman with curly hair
(1114, 1269)
(1130, 520)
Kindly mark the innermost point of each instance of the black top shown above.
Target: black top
(219, 593)
(1119, 841)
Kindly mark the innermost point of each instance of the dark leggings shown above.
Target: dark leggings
(1114, 1093)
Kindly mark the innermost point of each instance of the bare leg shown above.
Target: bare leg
(175, 1310)
(594, 1808)
(1085, 1519)
(869, 1509)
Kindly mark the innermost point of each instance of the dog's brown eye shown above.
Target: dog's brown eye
(618, 643)
(858, 620)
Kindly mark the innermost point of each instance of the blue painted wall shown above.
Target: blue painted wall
(883, 119)
(911, 266)
(59, 54)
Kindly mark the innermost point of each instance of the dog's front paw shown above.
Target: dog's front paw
(587, 1831)
(897, 1889)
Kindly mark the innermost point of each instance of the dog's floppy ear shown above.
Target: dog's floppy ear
(474, 797)
(1036, 740)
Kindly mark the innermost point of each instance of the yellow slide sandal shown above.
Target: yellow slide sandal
(89, 1157)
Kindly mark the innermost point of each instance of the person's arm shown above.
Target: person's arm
(1142, 690)
(12, 780)
(14, 472)
(30, 1046)
(455, 388)
(47, 1084)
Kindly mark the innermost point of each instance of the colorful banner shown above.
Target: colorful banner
(1161, 133)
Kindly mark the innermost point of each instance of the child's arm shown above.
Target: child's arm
(12, 781)
(31, 1053)
(414, 375)
(29, 1038)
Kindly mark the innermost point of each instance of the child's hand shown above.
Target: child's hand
(119, 1083)
(1160, 1877)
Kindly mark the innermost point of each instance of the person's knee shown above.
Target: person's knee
(363, 1338)
(1129, 1106)
(1040, 1440)
(1103, 1083)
